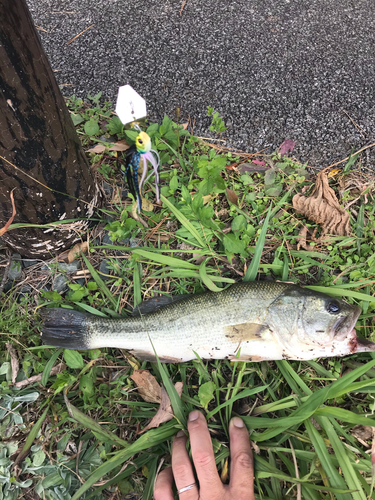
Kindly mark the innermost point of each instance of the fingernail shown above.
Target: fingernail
(180, 434)
(193, 415)
(238, 422)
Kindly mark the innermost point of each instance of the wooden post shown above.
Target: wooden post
(41, 157)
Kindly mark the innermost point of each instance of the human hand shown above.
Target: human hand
(241, 485)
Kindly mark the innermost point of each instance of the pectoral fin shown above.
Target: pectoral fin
(245, 331)
(150, 356)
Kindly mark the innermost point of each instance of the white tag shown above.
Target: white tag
(130, 106)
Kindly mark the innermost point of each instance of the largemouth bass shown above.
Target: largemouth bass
(248, 321)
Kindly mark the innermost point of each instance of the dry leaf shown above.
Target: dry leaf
(362, 433)
(117, 146)
(232, 197)
(323, 208)
(224, 472)
(286, 147)
(147, 385)
(232, 166)
(99, 148)
(133, 362)
(158, 237)
(151, 392)
(165, 411)
(6, 227)
(74, 252)
(120, 146)
(37, 378)
(13, 361)
(334, 172)
(302, 239)
(248, 167)
(146, 205)
(208, 197)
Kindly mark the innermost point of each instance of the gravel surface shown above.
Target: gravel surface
(275, 70)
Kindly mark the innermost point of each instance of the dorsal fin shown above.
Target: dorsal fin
(151, 305)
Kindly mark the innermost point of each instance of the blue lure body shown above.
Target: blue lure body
(131, 171)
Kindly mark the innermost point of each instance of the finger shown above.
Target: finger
(182, 468)
(242, 466)
(203, 457)
(163, 485)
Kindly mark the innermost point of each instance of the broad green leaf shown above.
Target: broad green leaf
(86, 385)
(91, 127)
(239, 223)
(273, 191)
(73, 359)
(269, 177)
(206, 393)
(233, 244)
(76, 118)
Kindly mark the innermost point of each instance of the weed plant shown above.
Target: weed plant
(77, 434)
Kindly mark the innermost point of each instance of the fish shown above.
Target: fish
(248, 321)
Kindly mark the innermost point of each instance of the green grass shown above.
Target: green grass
(76, 434)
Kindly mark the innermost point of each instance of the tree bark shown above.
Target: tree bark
(41, 156)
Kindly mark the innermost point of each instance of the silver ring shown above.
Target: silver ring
(187, 488)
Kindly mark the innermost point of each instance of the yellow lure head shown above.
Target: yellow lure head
(143, 143)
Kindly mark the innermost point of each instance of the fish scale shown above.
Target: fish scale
(250, 321)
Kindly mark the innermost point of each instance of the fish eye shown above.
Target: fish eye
(333, 307)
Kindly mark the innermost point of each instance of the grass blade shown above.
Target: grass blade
(137, 272)
(207, 280)
(151, 438)
(341, 453)
(49, 365)
(252, 270)
(335, 480)
(184, 221)
(34, 432)
(176, 402)
(149, 488)
(164, 259)
(89, 423)
(341, 292)
(99, 281)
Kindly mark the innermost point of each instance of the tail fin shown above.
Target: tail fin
(65, 328)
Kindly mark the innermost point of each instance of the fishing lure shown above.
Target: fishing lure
(141, 150)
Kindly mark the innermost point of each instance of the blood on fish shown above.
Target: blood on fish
(353, 343)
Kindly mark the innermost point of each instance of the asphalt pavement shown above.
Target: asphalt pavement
(275, 69)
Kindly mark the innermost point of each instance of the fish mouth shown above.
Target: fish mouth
(356, 344)
(344, 327)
